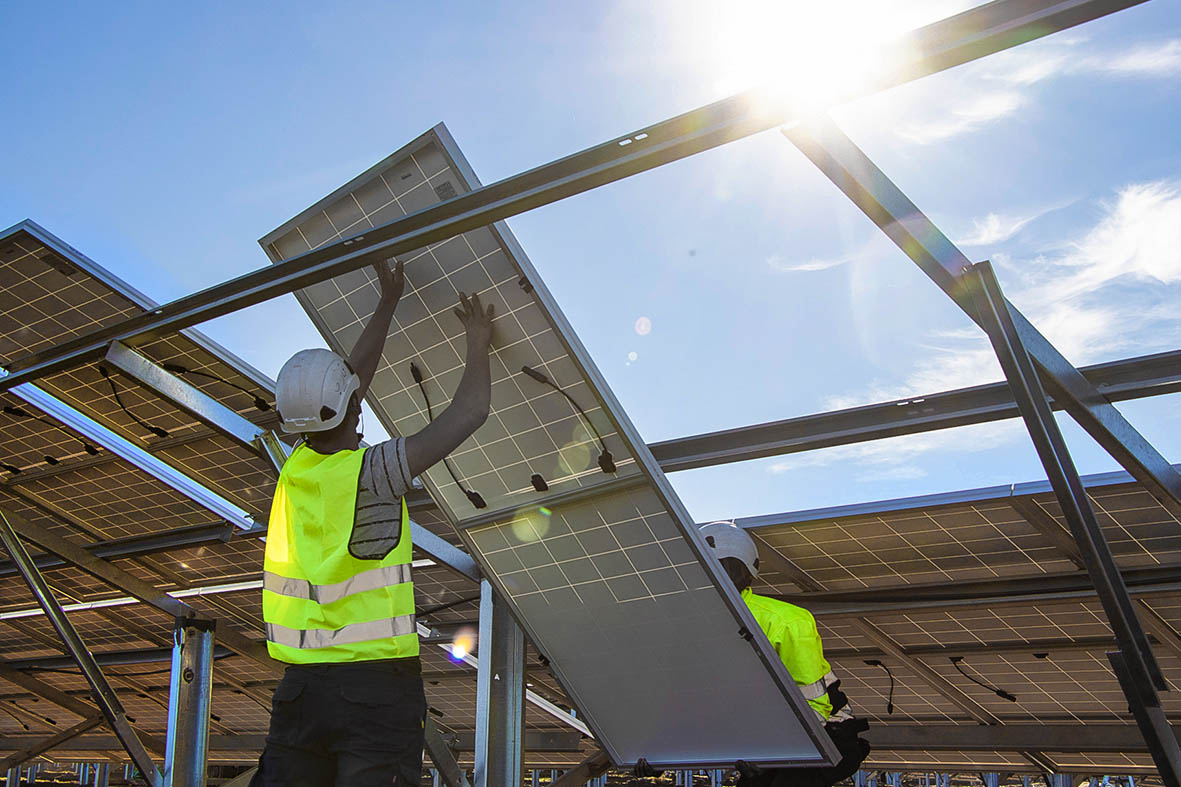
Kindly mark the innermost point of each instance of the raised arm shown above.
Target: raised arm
(367, 351)
(469, 407)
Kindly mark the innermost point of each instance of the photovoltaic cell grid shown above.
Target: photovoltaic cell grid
(71, 295)
(532, 428)
(980, 540)
(607, 588)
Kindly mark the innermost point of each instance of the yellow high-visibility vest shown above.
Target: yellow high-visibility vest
(792, 632)
(320, 603)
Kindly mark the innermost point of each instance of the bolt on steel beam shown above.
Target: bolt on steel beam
(189, 695)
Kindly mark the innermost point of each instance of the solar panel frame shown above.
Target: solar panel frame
(318, 225)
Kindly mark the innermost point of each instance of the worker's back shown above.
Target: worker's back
(322, 602)
(792, 632)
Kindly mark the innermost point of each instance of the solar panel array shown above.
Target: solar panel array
(1049, 653)
(49, 292)
(596, 562)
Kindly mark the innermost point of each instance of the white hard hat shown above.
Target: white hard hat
(729, 540)
(313, 390)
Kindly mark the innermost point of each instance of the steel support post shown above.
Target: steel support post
(189, 697)
(13, 779)
(104, 695)
(500, 694)
(102, 774)
(1135, 665)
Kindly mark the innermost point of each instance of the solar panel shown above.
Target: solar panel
(573, 522)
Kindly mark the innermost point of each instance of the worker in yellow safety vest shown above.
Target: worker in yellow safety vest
(793, 635)
(338, 599)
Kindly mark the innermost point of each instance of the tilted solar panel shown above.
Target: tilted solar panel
(570, 517)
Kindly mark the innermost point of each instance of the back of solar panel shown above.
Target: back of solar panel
(603, 569)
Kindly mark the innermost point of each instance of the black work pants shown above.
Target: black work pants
(353, 725)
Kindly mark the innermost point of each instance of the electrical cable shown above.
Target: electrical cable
(447, 605)
(20, 412)
(105, 372)
(606, 461)
(19, 720)
(999, 692)
(890, 700)
(472, 495)
(176, 368)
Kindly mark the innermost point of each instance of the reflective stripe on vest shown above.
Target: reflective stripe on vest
(385, 576)
(321, 604)
(817, 689)
(349, 635)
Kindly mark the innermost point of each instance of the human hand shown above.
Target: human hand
(391, 282)
(477, 320)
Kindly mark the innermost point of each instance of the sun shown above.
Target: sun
(808, 54)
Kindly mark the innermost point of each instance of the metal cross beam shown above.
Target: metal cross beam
(925, 673)
(1134, 664)
(1148, 375)
(1069, 738)
(1040, 589)
(892, 211)
(973, 34)
(38, 747)
(240, 430)
(104, 696)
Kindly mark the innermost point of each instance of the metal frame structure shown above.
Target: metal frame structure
(1018, 346)
(1028, 359)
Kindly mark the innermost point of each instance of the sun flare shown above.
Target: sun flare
(809, 54)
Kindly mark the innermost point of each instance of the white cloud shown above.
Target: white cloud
(996, 228)
(776, 262)
(1104, 293)
(1154, 60)
(967, 117)
(1017, 71)
(893, 458)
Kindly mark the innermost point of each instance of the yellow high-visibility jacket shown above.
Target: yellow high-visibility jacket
(320, 603)
(792, 632)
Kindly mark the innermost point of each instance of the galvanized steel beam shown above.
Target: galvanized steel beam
(1135, 665)
(35, 748)
(924, 673)
(1040, 589)
(892, 211)
(500, 694)
(246, 434)
(104, 696)
(950, 42)
(1066, 738)
(1133, 378)
(189, 696)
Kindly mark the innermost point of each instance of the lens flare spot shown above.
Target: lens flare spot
(463, 643)
(643, 326)
(632, 357)
(531, 525)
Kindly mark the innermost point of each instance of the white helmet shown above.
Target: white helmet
(729, 540)
(313, 390)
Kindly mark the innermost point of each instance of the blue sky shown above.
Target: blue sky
(163, 140)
